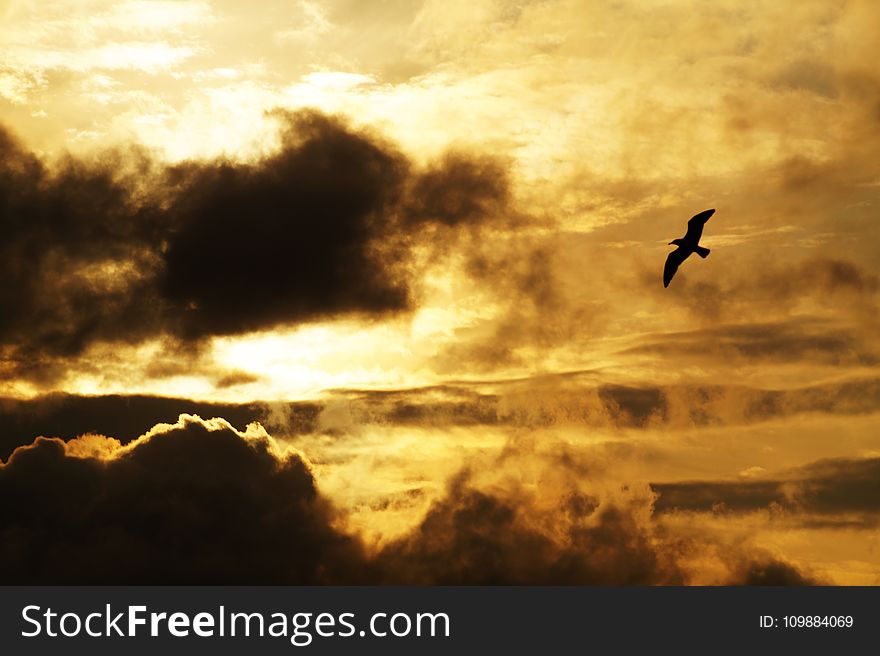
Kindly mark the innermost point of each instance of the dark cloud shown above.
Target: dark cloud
(189, 504)
(792, 340)
(76, 256)
(836, 487)
(633, 406)
(471, 537)
(435, 405)
(840, 485)
(533, 403)
(561, 400)
(772, 572)
(67, 416)
(572, 399)
(445, 413)
(476, 537)
(859, 396)
(460, 189)
(294, 237)
(199, 502)
(234, 378)
(120, 248)
(735, 496)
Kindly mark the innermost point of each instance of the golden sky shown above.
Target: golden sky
(422, 243)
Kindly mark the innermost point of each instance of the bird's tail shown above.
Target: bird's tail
(702, 252)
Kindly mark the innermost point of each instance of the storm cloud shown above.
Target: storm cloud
(121, 248)
(291, 238)
(474, 537)
(194, 502)
(67, 416)
(78, 253)
(200, 502)
(844, 488)
(471, 537)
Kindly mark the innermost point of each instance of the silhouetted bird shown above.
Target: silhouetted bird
(688, 244)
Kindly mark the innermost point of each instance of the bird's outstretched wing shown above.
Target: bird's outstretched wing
(695, 226)
(675, 258)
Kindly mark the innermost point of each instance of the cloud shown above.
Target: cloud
(839, 489)
(575, 400)
(67, 416)
(533, 403)
(526, 280)
(198, 501)
(195, 502)
(471, 537)
(772, 572)
(76, 255)
(120, 248)
(460, 188)
(792, 340)
(765, 288)
(493, 527)
(295, 237)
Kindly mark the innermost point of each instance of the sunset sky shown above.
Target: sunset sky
(420, 244)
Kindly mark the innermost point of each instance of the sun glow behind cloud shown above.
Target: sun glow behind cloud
(535, 327)
(567, 112)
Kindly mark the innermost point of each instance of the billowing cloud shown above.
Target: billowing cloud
(473, 537)
(122, 248)
(196, 502)
(503, 538)
(294, 237)
(201, 502)
(126, 418)
(75, 257)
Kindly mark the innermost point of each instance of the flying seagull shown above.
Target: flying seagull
(688, 244)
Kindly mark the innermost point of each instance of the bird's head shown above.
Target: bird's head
(677, 242)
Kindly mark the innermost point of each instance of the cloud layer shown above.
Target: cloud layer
(201, 502)
(462, 278)
(195, 502)
(843, 490)
(121, 248)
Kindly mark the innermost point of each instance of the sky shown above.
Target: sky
(358, 292)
